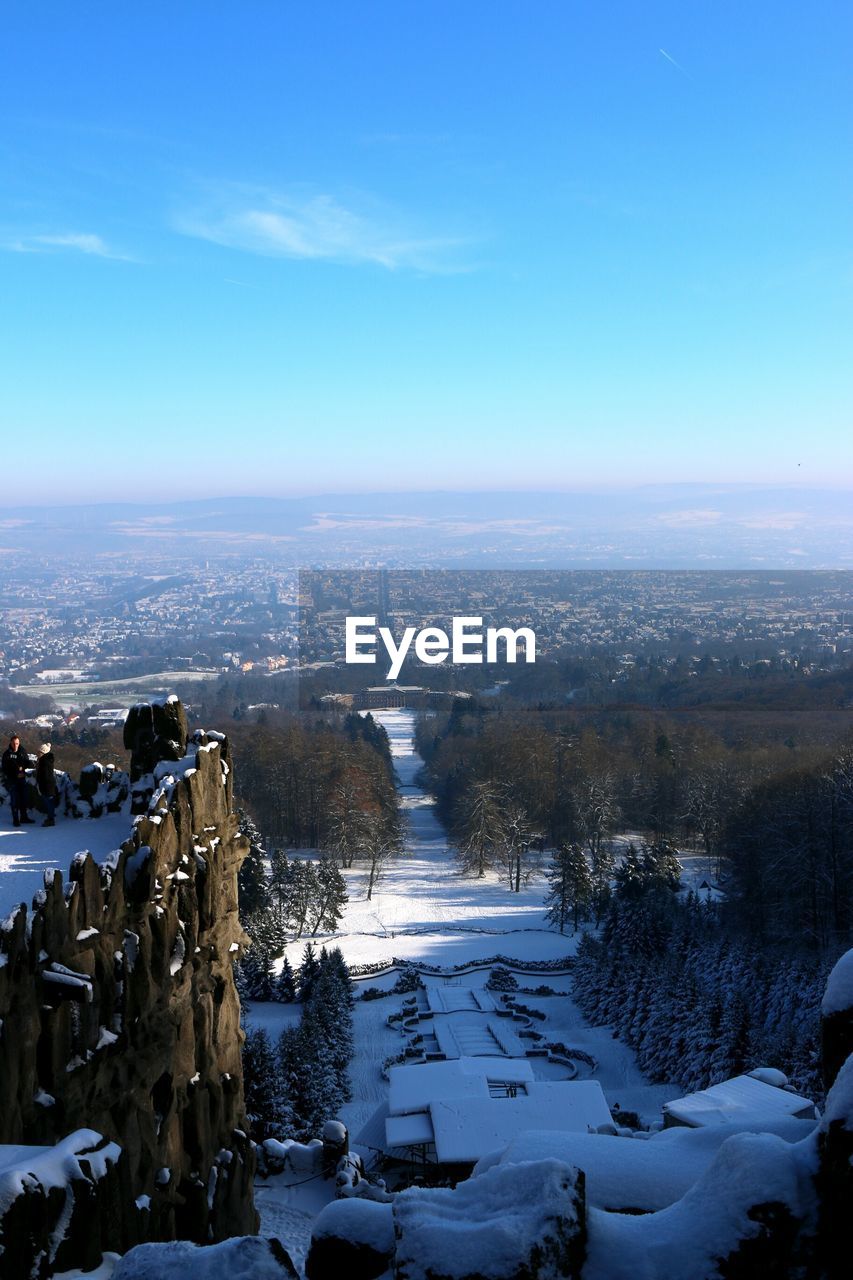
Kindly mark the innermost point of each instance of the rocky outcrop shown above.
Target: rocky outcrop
(240, 1259)
(64, 1206)
(118, 1006)
(352, 1238)
(835, 1139)
(153, 732)
(514, 1222)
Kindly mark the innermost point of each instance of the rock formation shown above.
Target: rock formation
(118, 1010)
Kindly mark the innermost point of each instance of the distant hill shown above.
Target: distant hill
(661, 526)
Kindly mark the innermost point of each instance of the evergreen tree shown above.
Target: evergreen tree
(569, 887)
(308, 971)
(268, 1108)
(480, 828)
(284, 984)
(331, 895)
(252, 879)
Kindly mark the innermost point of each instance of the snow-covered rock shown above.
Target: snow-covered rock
(837, 1018)
(352, 1238)
(244, 1258)
(515, 1220)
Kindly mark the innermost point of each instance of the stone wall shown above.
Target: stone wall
(118, 1010)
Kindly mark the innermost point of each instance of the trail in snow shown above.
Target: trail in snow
(422, 907)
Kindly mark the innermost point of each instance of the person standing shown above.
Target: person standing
(46, 783)
(15, 764)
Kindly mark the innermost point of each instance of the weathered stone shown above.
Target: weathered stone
(154, 731)
(119, 1003)
(249, 1256)
(64, 1207)
(834, 1180)
(352, 1238)
(837, 1019)
(503, 1225)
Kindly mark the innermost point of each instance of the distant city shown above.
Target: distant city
(105, 638)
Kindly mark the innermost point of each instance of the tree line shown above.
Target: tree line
(775, 822)
(296, 776)
(697, 1002)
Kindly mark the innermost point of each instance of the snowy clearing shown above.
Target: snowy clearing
(27, 852)
(422, 907)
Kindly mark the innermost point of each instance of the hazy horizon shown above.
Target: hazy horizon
(652, 526)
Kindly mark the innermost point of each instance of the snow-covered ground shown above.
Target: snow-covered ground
(27, 852)
(423, 908)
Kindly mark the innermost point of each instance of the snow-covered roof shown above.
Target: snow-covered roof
(408, 1131)
(413, 1088)
(736, 1100)
(466, 1129)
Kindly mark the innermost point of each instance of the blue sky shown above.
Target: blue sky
(276, 248)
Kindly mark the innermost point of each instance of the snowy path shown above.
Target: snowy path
(422, 908)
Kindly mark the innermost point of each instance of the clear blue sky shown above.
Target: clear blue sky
(280, 247)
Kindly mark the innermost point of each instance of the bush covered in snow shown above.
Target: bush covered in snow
(500, 979)
(408, 980)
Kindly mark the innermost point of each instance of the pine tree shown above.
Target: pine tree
(284, 984)
(479, 827)
(570, 887)
(331, 895)
(268, 1107)
(252, 880)
(308, 971)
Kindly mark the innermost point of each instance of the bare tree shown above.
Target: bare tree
(383, 840)
(519, 838)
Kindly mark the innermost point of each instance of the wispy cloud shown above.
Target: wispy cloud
(670, 58)
(70, 241)
(311, 225)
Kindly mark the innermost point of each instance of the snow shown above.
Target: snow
(839, 1104)
(245, 1258)
(687, 1239)
(629, 1173)
(467, 1128)
(52, 1166)
(459, 999)
(488, 1226)
(334, 1131)
(838, 997)
(103, 1272)
(408, 1130)
(295, 1157)
(27, 853)
(412, 1088)
(422, 908)
(742, 1098)
(769, 1075)
(361, 1221)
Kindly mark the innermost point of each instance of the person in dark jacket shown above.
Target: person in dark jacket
(46, 784)
(15, 764)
